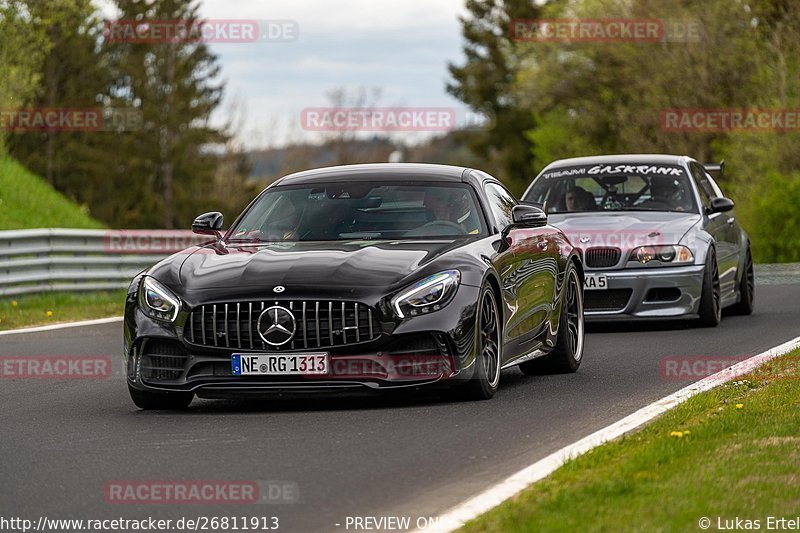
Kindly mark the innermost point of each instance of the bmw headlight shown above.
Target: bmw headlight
(427, 295)
(157, 301)
(670, 254)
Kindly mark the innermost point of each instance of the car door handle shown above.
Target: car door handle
(731, 220)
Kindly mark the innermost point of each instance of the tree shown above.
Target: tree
(70, 77)
(24, 47)
(175, 85)
(484, 81)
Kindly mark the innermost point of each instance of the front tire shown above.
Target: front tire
(711, 300)
(567, 355)
(486, 380)
(160, 400)
(747, 288)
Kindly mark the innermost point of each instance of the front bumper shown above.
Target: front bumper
(646, 294)
(427, 350)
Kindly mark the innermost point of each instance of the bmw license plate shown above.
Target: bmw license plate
(595, 282)
(279, 364)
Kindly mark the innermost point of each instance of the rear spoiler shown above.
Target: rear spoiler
(716, 170)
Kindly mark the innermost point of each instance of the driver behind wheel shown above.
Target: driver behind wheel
(665, 193)
(444, 205)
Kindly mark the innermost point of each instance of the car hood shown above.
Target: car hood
(330, 265)
(625, 229)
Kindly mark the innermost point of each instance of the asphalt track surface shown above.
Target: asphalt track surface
(415, 455)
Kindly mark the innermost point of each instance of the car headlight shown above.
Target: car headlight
(157, 301)
(670, 254)
(427, 295)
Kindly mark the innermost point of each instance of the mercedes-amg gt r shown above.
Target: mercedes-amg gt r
(364, 277)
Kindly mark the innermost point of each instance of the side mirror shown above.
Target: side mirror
(208, 224)
(528, 216)
(720, 205)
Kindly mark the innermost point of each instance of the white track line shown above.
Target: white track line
(456, 517)
(36, 329)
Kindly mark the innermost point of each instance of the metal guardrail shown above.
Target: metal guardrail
(41, 260)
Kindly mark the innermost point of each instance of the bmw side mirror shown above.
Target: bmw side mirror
(208, 224)
(528, 216)
(720, 205)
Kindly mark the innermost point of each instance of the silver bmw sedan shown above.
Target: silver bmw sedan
(658, 238)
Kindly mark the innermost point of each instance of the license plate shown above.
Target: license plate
(279, 364)
(595, 282)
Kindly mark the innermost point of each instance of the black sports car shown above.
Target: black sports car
(364, 277)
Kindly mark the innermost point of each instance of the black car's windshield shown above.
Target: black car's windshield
(628, 187)
(358, 210)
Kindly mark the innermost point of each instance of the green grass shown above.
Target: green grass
(27, 201)
(55, 307)
(728, 462)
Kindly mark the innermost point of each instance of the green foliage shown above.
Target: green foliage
(583, 98)
(24, 46)
(729, 452)
(168, 167)
(484, 83)
(26, 201)
(558, 137)
(54, 307)
(768, 210)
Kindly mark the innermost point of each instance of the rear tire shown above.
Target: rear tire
(486, 379)
(567, 355)
(747, 288)
(710, 301)
(160, 400)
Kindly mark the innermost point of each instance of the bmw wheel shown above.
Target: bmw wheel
(711, 300)
(747, 288)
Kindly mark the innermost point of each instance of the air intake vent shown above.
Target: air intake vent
(162, 360)
(608, 300)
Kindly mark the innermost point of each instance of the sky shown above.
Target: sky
(398, 47)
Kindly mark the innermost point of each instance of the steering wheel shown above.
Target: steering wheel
(441, 225)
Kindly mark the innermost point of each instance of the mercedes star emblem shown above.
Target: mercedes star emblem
(276, 325)
(279, 289)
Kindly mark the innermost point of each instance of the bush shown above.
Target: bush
(770, 213)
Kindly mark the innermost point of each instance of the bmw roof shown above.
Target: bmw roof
(620, 158)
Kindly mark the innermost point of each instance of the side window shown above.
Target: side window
(703, 185)
(501, 202)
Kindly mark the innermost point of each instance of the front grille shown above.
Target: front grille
(162, 360)
(598, 257)
(319, 324)
(607, 300)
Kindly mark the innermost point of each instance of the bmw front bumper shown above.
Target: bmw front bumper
(646, 293)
